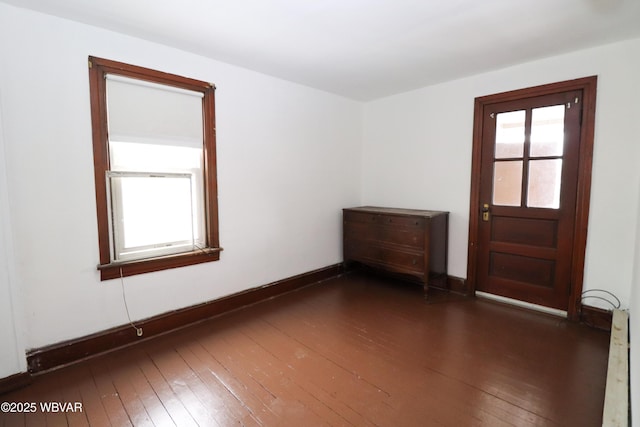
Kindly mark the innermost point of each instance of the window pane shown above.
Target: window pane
(507, 183)
(154, 211)
(510, 134)
(544, 183)
(547, 131)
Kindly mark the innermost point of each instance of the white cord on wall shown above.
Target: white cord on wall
(139, 331)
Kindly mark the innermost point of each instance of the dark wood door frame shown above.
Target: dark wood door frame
(588, 86)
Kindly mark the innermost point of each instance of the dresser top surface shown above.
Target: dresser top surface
(396, 211)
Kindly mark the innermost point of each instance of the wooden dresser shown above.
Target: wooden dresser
(405, 241)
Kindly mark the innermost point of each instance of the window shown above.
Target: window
(155, 169)
(529, 147)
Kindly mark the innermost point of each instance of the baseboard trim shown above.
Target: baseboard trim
(64, 353)
(458, 285)
(14, 382)
(451, 283)
(596, 317)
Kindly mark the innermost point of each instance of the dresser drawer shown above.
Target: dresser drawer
(404, 236)
(393, 259)
(382, 219)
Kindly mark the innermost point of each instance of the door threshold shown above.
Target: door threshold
(523, 304)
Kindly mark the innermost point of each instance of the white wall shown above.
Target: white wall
(418, 145)
(634, 327)
(288, 162)
(11, 352)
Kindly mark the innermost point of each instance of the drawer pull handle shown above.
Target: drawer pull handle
(414, 262)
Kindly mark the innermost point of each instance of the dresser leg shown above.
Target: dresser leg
(426, 291)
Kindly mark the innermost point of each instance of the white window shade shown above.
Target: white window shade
(152, 113)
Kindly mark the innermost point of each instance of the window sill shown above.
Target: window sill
(115, 270)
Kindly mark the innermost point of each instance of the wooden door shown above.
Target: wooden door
(528, 177)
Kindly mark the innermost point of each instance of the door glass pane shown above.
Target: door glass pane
(507, 183)
(547, 131)
(544, 183)
(510, 134)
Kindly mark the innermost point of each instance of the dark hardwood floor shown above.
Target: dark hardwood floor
(358, 350)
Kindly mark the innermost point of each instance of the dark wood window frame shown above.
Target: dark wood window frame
(98, 68)
(589, 87)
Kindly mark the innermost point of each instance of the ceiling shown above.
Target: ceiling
(362, 49)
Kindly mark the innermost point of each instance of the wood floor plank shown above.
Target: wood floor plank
(294, 401)
(354, 366)
(515, 407)
(237, 376)
(130, 381)
(206, 352)
(358, 350)
(339, 388)
(54, 394)
(184, 384)
(27, 394)
(14, 419)
(303, 382)
(156, 414)
(180, 416)
(385, 380)
(89, 395)
(70, 385)
(227, 406)
(110, 397)
(220, 404)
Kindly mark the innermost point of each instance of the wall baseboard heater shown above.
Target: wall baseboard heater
(616, 396)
